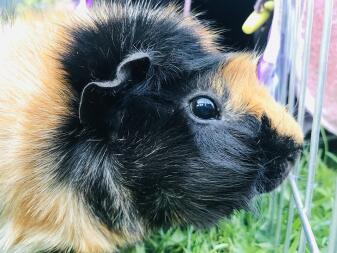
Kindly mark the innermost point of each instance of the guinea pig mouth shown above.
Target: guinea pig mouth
(273, 177)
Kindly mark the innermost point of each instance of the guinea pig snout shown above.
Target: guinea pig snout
(278, 155)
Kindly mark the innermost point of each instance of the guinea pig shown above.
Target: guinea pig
(125, 119)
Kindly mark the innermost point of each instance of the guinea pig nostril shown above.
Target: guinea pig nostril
(295, 154)
(292, 157)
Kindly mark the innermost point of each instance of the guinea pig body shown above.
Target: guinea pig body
(125, 119)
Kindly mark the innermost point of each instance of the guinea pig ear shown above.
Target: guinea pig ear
(99, 100)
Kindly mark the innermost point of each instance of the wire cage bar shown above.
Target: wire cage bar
(303, 216)
(314, 142)
(301, 13)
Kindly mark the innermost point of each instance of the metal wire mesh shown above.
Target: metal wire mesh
(301, 14)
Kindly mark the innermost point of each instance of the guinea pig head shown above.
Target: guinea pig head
(188, 152)
(130, 119)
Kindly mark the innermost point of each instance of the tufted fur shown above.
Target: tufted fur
(65, 185)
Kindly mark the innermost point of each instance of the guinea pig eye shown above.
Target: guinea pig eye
(204, 108)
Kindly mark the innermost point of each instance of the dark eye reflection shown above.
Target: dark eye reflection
(204, 108)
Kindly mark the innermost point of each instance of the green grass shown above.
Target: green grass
(247, 232)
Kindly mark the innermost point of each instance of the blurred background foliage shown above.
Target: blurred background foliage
(10, 8)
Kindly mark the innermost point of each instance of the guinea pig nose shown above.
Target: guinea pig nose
(279, 152)
(275, 144)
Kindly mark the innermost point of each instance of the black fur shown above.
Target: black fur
(178, 170)
(95, 53)
(278, 153)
